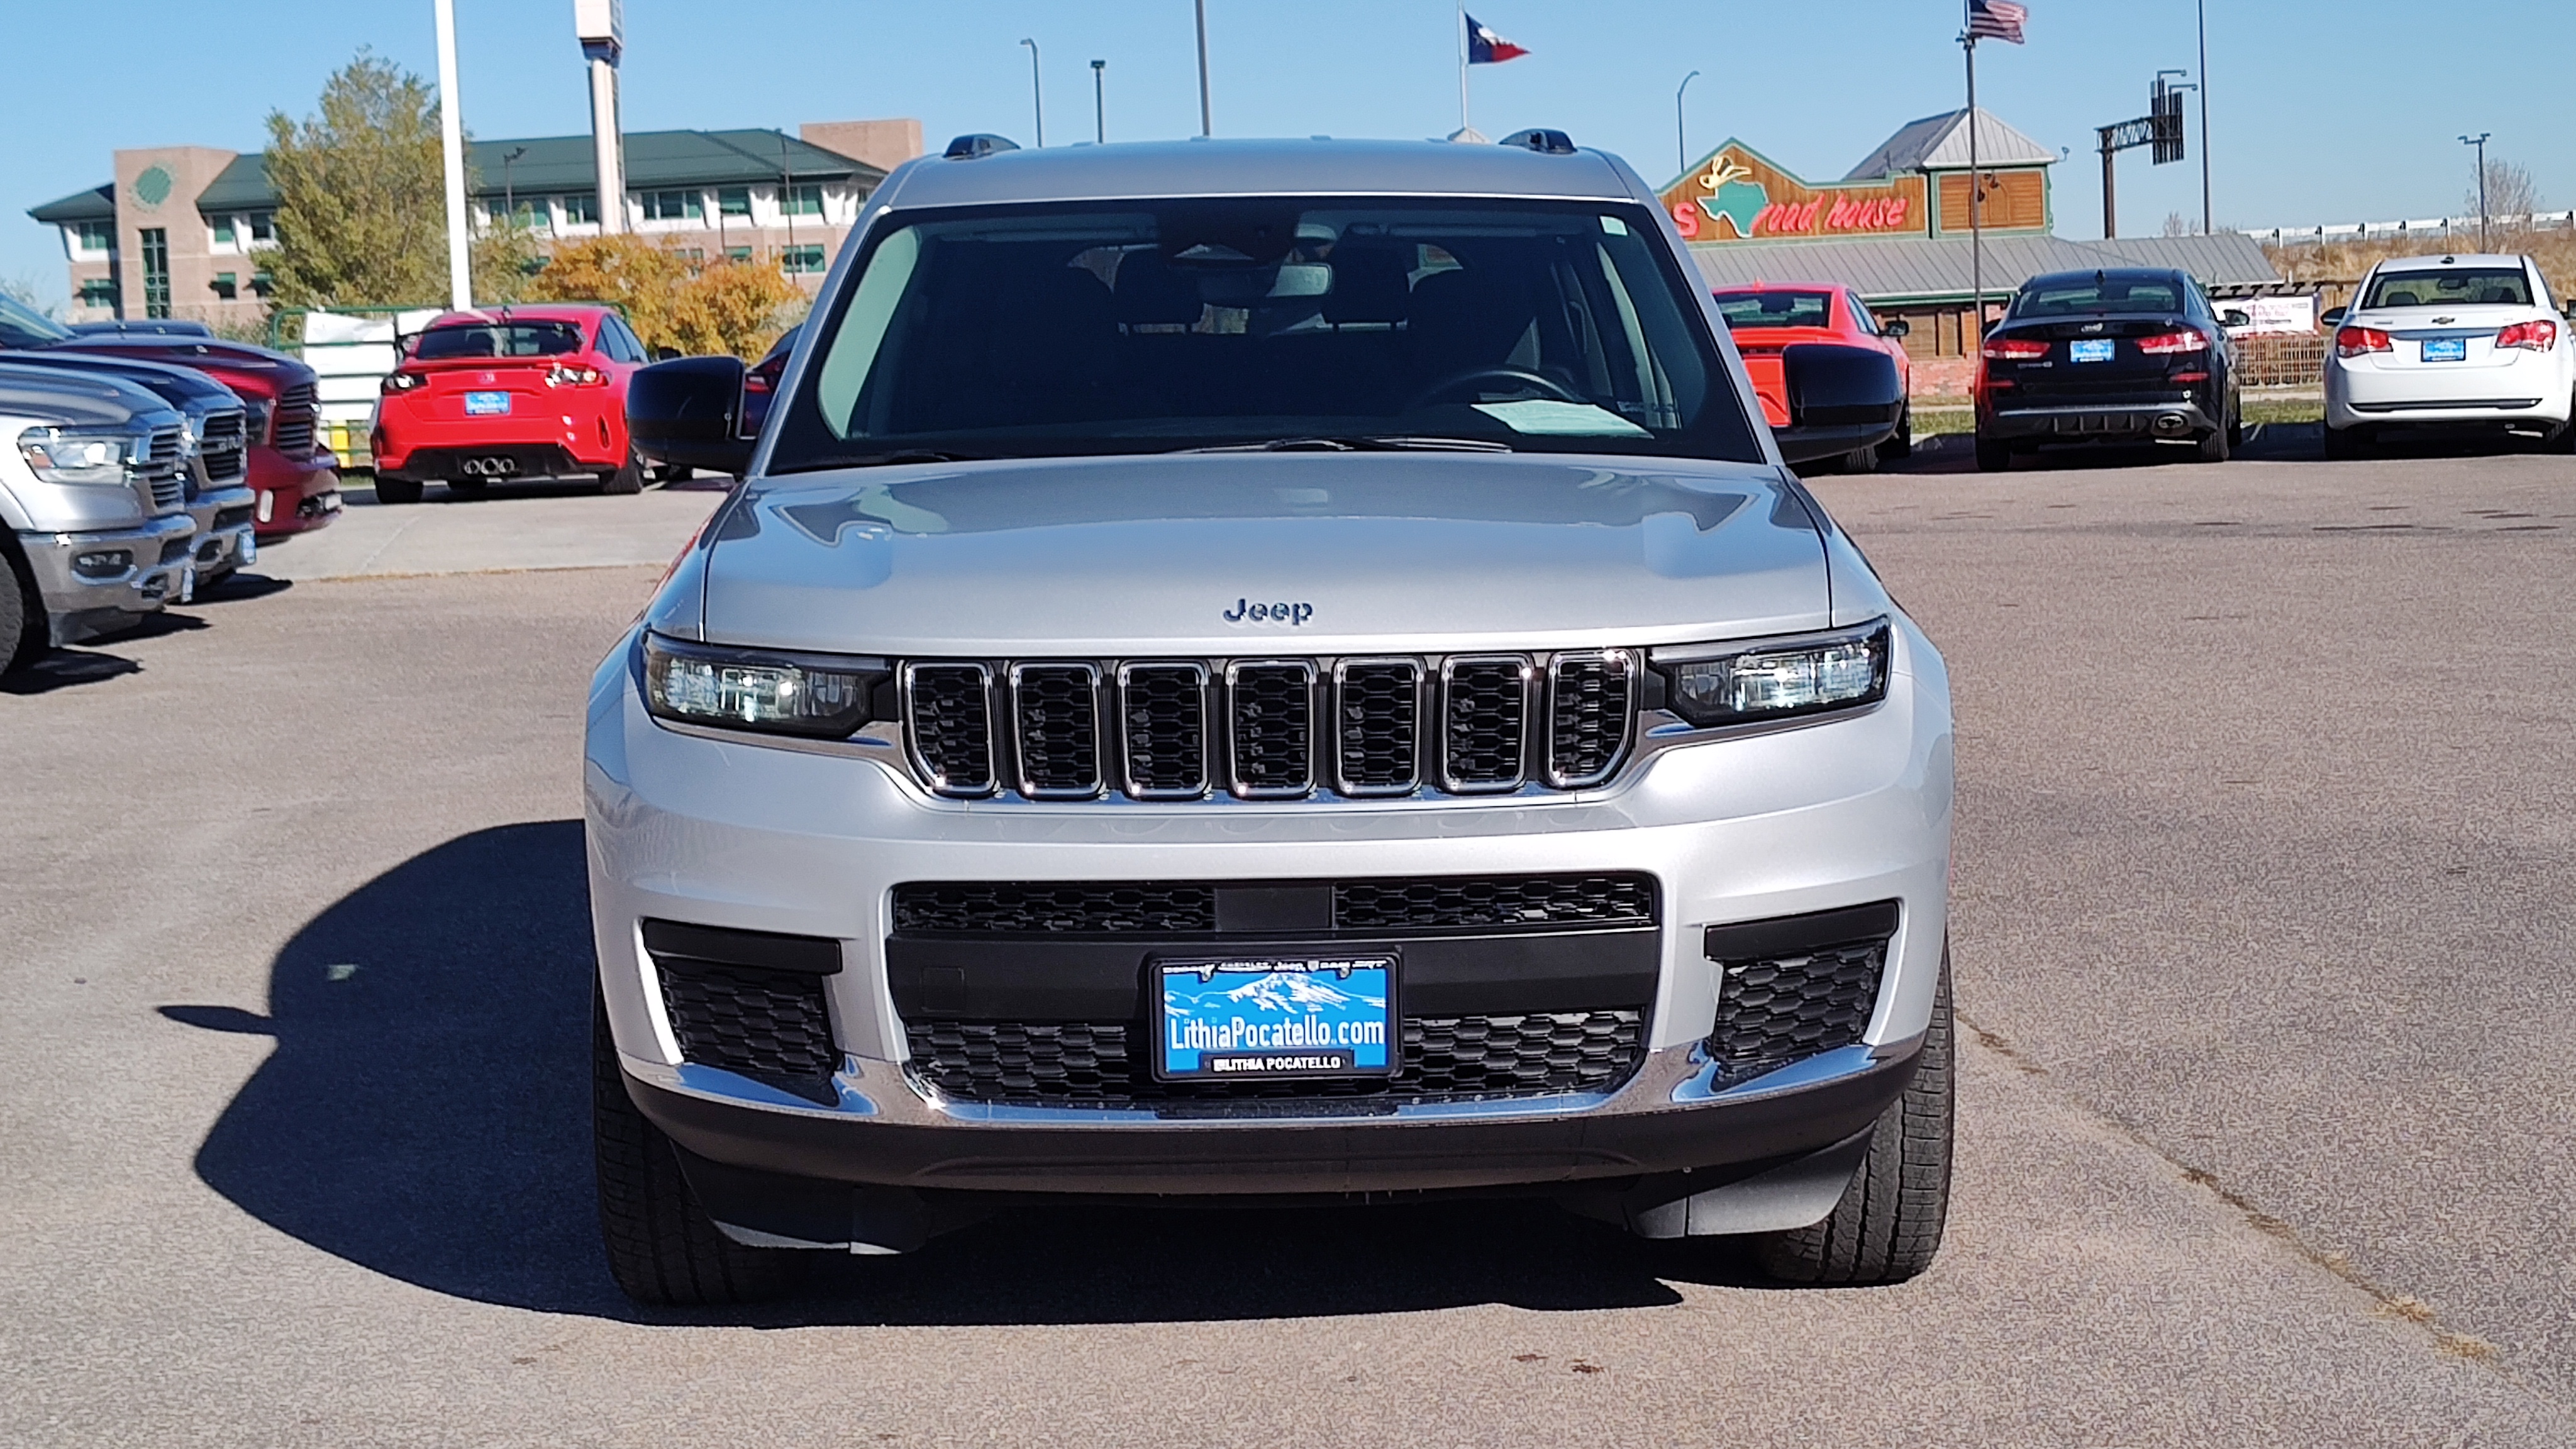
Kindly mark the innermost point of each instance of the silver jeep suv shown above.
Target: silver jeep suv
(1276, 672)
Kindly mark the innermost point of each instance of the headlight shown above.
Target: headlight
(1724, 684)
(80, 455)
(822, 696)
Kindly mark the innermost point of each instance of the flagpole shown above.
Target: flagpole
(1463, 123)
(1976, 198)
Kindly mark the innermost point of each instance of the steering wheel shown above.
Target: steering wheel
(1555, 391)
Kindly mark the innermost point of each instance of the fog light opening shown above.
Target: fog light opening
(102, 563)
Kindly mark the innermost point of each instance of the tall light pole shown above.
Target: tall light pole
(1099, 102)
(1037, 93)
(1681, 129)
(1207, 126)
(510, 192)
(2480, 141)
(451, 144)
(2201, 8)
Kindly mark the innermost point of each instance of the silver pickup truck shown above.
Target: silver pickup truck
(1267, 671)
(94, 496)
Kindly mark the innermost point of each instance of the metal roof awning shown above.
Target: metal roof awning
(1934, 270)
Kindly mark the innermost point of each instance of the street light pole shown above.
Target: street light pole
(509, 192)
(2480, 141)
(2201, 7)
(451, 143)
(1681, 128)
(1099, 103)
(1207, 126)
(1037, 92)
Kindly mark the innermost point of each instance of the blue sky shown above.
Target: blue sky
(2324, 111)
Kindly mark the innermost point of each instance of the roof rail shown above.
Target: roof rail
(978, 144)
(1545, 142)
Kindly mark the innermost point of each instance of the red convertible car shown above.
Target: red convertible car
(1765, 317)
(513, 392)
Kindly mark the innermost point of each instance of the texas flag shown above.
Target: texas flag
(1484, 47)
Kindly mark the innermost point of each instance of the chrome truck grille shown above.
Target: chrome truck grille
(220, 453)
(160, 473)
(1269, 728)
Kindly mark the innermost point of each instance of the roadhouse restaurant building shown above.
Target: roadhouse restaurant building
(1896, 228)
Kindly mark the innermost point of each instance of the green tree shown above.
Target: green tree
(361, 199)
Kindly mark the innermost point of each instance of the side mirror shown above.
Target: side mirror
(2233, 317)
(682, 413)
(1897, 327)
(2333, 317)
(1841, 399)
(666, 354)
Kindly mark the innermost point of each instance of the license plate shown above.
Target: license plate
(487, 404)
(1242, 1018)
(2446, 349)
(2093, 351)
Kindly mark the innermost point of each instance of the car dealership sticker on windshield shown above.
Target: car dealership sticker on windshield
(1546, 416)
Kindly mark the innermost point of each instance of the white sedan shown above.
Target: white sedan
(2450, 342)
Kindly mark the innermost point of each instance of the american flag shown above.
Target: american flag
(1996, 20)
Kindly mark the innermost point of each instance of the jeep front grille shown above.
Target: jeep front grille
(1269, 729)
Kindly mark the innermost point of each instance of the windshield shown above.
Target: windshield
(1128, 327)
(24, 326)
(507, 339)
(2451, 287)
(2056, 298)
(1775, 309)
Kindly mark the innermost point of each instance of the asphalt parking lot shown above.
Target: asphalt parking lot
(2267, 1137)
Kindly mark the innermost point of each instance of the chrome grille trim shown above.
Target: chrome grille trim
(1274, 759)
(1591, 703)
(957, 722)
(1157, 701)
(1400, 681)
(1055, 740)
(160, 470)
(1464, 736)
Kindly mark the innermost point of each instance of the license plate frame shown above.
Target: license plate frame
(2091, 349)
(1292, 1030)
(487, 404)
(2444, 349)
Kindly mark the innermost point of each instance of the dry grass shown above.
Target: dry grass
(2335, 266)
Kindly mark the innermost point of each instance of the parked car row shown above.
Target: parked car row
(145, 466)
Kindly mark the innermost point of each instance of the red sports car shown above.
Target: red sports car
(513, 392)
(1765, 317)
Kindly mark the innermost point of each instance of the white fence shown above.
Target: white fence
(2446, 227)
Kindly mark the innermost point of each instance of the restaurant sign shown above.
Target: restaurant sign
(1736, 195)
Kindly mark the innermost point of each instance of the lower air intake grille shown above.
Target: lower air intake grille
(1082, 908)
(1774, 1012)
(766, 1024)
(948, 709)
(1445, 1059)
(1467, 901)
(1374, 906)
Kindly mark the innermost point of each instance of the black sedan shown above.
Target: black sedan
(2129, 355)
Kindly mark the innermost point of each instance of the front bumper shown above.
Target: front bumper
(2175, 420)
(295, 495)
(714, 832)
(81, 605)
(227, 530)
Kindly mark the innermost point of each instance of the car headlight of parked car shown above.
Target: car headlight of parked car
(80, 455)
(820, 696)
(1744, 683)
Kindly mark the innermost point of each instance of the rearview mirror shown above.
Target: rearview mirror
(1841, 399)
(1897, 327)
(2333, 316)
(682, 413)
(666, 354)
(2232, 317)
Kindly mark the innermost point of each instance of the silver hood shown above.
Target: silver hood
(1196, 554)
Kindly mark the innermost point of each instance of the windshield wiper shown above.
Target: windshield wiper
(1362, 443)
(875, 460)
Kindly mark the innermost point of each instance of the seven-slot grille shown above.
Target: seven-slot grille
(292, 431)
(219, 447)
(159, 472)
(1270, 729)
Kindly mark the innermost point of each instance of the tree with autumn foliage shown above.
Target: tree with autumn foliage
(672, 300)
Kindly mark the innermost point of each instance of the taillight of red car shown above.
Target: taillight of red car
(2539, 335)
(401, 382)
(2356, 341)
(573, 374)
(2166, 344)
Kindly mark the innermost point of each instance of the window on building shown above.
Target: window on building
(224, 231)
(95, 236)
(733, 201)
(800, 259)
(261, 283)
(263, 226)
(737, 254)
(528, 212)
(225, 285)
(675, 206)
(804, 201)
(156, 272)
(580, 208)
(98, 292)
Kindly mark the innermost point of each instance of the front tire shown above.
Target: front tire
(662, 1247)
(24, 632)
(1993, 456)
(1888, 1225)
(397, 490)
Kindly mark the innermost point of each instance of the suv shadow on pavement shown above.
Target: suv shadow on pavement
(425, 1114)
